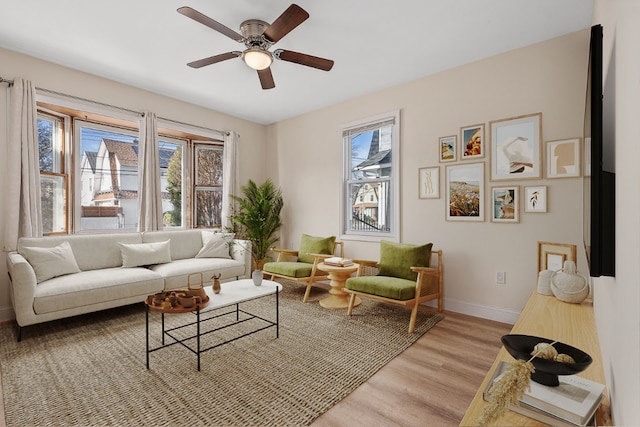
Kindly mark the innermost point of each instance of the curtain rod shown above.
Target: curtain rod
(102, 104)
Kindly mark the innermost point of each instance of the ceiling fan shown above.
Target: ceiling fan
(258, 36)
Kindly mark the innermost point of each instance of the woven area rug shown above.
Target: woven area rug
(90, 370)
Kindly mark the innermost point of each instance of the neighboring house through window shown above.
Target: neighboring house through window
(102, 180)
(370, 201)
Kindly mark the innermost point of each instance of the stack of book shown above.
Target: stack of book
(338, 262)
(572, 403)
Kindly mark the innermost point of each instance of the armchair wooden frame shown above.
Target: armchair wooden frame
(424, 292)
(316, 274)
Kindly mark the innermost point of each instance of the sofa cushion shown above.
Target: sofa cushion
(95, 287)
(384, 286)
(145, 253)
(176, 273)
(51, 262)
(216, 246)
(184, 243)
(86, 246)
(314, 245)
(290, 269)
(396, 259)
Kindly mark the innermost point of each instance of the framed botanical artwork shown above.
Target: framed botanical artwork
(504, 204)
(472, 144)
(563, 158)
(516, 151)
(535, 199)
(448, 149)
(429, 183)
(465, 192)
(551, 256)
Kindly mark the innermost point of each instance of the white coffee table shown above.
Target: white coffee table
(231, 294)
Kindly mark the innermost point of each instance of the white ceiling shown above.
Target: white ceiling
(374, 43)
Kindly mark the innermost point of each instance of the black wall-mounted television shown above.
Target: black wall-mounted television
(599, 185)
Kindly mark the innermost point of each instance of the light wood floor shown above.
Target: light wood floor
(430, 384)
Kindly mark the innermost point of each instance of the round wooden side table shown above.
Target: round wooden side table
(338, 299)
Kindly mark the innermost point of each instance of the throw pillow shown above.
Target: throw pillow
(137, 254)
(217, 246)
(51, 262)
(397, 258)
(314, 245)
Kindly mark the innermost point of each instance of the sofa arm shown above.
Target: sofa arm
(241, 251)
(23, 285)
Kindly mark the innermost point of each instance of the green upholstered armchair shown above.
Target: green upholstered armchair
(301, 265)
(405, 276)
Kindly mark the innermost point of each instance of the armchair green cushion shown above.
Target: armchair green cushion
(396, 259)
(383, 286)
(290, 269)
(314, 245)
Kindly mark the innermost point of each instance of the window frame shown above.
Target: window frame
(347, 130)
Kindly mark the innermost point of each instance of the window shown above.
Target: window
(53, 180)
(208, 186)
(107, 176)
(370, 203)
(96, 188)
(172, 182)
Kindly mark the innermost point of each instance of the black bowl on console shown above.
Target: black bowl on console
(547, 371)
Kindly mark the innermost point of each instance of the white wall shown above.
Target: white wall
(617, 300)
(548, 77)
(56, 78)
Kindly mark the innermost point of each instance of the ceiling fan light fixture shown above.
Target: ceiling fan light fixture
(257, 58)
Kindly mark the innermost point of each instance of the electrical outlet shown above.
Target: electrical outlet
(501, 277)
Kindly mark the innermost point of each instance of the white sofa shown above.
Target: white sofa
(101, 280)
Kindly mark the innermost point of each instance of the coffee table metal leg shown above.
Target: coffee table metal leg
(277, 314)
(147, 336)
(162, 328)
(198, 333)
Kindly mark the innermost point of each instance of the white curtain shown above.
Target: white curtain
(23, 214)
(150, 199)
(229, 177)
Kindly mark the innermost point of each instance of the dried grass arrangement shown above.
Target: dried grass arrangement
(510, 388)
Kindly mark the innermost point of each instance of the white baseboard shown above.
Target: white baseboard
(485, 312)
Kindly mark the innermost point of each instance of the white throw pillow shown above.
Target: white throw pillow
(217, 246)
(134, 255)
(51, 262)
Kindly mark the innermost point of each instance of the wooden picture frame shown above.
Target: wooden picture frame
(535, 199)
(448, 148)
(516, 151)
(505, 202)
(551, 256)
(465, 192)
(429, 183)
(563, 158)
(472, 144)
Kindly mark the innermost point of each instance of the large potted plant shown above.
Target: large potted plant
(257, 218)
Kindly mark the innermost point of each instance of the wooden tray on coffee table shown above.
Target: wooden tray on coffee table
(178, 308)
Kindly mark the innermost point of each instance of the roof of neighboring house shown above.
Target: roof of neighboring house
(382, 157)
(91, 159)
(124, 151)
(127, 153)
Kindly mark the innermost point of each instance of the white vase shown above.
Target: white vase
(256, 276)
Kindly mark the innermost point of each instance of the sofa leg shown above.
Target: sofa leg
(19, 333)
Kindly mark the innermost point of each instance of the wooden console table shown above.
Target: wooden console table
(546, 316)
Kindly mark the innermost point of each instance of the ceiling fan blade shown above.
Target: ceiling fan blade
(290, 19)
(214, 25)
(266, 78)
(214, 59)
(304, 59)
